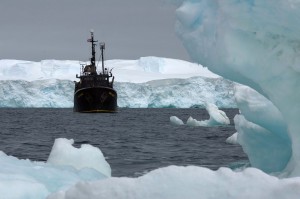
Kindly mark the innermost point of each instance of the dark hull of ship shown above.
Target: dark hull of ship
(95, 100)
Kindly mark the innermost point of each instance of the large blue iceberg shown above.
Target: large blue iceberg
(256, 43)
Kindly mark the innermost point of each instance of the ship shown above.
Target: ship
(94, 92)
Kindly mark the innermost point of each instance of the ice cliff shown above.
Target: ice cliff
(148, 82)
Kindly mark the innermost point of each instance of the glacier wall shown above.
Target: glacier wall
(147, 82)
(256, 43)
(40, 93)
(179, 93)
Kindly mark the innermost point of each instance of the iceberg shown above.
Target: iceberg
(153, 83)
(255, 43)
(216, 118)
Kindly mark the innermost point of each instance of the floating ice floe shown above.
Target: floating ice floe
(176, 121)
(216, 117)
(232, 139)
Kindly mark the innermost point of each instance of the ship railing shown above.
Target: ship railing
(94, 82)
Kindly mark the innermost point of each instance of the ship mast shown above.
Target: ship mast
(93, 58)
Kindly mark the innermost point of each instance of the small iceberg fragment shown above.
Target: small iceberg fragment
(176, 121)
(193, 122)
(216, 117)
(232, 139)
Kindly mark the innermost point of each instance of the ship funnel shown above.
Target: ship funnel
(102, 47)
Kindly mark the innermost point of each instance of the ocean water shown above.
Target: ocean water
(134, 141)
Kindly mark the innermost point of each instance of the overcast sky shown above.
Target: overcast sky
(58, 29)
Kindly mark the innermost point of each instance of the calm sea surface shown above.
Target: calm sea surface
(134, 141)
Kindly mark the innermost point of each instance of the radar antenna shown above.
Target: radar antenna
(93, 59)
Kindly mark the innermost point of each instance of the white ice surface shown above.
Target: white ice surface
(22, 179)
(188, 182)
(135, 71)
(87, 156)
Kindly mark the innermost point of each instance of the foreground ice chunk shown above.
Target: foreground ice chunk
(176, 121)
(87, 156)
(188, 182)
(25, 179)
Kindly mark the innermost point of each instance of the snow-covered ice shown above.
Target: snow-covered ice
(188, 182)
(38, 180)
(135, 71)
(87, 156)
(22, 179)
